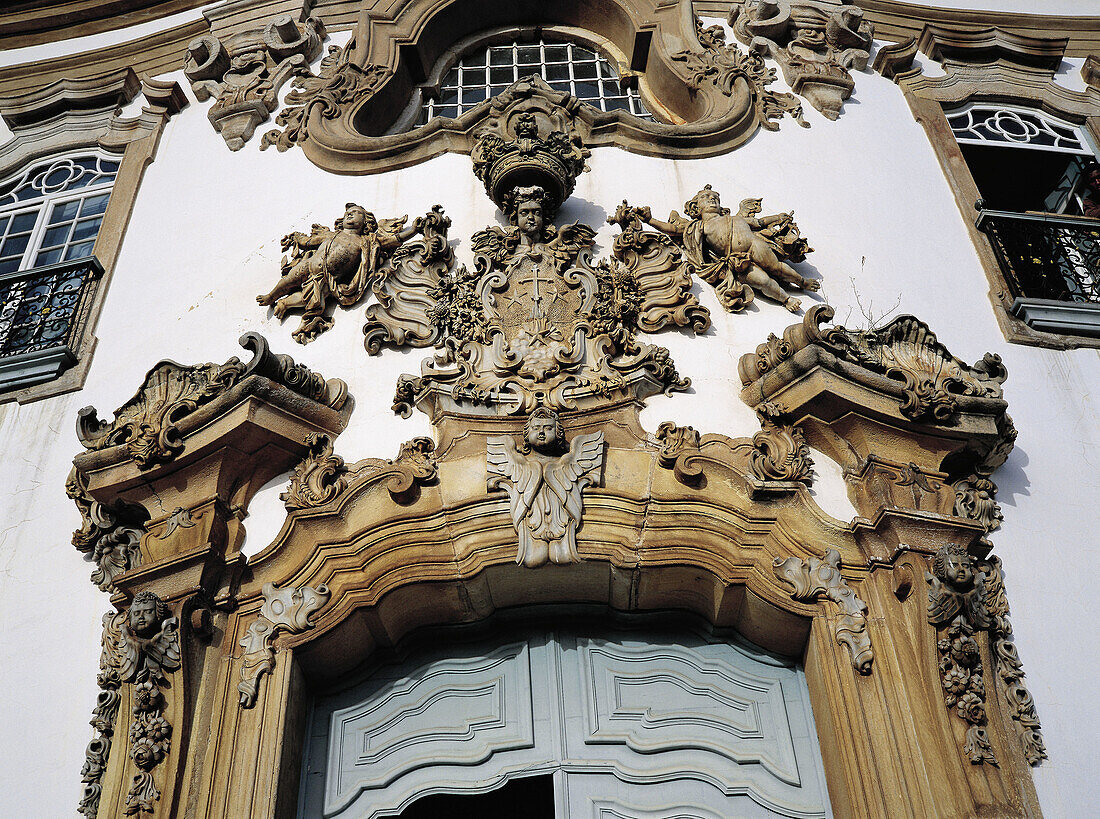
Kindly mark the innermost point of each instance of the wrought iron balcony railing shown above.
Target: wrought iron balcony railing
(1045, 256)
(42, 313)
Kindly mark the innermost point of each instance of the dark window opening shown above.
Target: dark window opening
(531, 797)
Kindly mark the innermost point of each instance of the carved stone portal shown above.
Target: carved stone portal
(245, 72)
(544, 478)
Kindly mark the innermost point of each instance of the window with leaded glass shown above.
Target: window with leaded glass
(569, 67)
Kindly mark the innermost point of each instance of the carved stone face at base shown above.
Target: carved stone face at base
(143, 618)
(541, 433)
(529, 220)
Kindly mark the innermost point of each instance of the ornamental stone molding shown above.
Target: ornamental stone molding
(288, 609)
(815, 42)
(816, 578)
(711, 96)
(244, 72)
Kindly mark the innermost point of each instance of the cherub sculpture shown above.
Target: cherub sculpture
(149, 643)
(544, 479)
(956, 589)
(739, 253)
(341, 263)
(531, 212)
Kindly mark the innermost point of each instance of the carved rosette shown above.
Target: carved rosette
(815, 42)
(149, 424)
(245, 72)
(289, 609)
(811, 580)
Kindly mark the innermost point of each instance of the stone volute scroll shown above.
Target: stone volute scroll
(244, 72)
(820, 577)
(544, 479)
(815, 42)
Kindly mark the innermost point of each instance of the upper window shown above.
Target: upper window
(1040, 198)
(50, 215)
(567, 67)
(52, 212)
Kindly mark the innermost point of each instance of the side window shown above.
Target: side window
(1040, 198)
(569, 67)
(50, 215)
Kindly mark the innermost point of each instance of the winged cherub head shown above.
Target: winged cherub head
(147, 612)
(543, 432)
(953, 567)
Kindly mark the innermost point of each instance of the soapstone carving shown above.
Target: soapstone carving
(340, 264)
(544, 478)
(740, 254)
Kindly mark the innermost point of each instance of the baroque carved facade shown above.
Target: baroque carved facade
(541, 486)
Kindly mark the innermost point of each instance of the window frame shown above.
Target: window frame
(1023, 320)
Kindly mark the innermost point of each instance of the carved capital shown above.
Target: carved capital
(817, 578)
(288, 609)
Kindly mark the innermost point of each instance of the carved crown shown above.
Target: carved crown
(525, 145)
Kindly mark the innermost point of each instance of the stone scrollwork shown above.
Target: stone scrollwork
(679, 450)
(966, 596)
(544, 479)
(723, 66)
(821, 577)
(904, 350)
(740, 254)
(104, 716)
(815, 42)
(340, 264)
(288, 609)
(779, 450)
(319, 478)
(245, 72)
(414, 466)
(109, 536)
(149, 424)
(338, 83)
(662, 276)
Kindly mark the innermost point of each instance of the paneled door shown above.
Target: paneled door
(618, 725)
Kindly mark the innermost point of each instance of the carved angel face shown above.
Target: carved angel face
(143, 618)
(529, 219)
(541, 433)
(355, 219)
(954, 569)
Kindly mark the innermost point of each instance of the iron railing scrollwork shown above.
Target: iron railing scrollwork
(43, 308)
(1045, 256)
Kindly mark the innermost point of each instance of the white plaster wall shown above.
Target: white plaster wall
(204, 240)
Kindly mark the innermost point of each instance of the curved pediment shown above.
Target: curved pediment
(711, 96)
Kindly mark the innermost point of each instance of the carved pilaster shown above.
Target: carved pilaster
(817, 578)
(245, 72)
